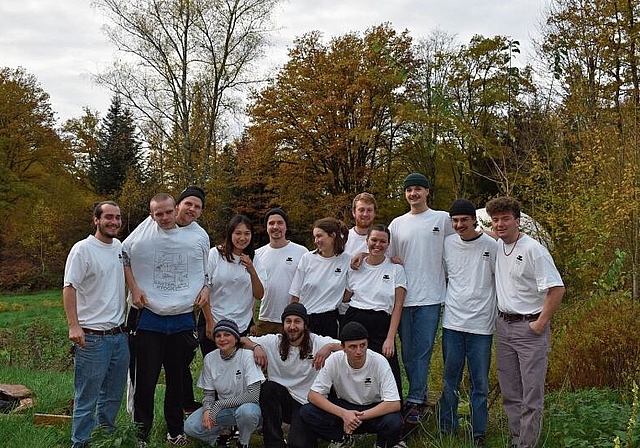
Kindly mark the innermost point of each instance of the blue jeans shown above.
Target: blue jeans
(246, 417)
(99, 381)
(418, 328)
(458, 346)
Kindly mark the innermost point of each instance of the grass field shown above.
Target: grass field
(34, 351)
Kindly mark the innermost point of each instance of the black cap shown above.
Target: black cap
(191, 191)
(227, 325)
(277, 211)
(296, 309)
(462, 207)
(353, 331)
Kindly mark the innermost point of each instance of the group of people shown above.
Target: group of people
(322, 354)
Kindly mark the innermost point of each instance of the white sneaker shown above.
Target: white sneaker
(346, 442)
(179, 440)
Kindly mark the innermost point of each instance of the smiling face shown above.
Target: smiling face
(240, 237)
(324, 242)
(377, 243)
(188, 210)
(108, 224)
(464, 225)
(294, 329)
(363, 214)
(225, 341)
(276, 228)
(416, 196)
(506, 226)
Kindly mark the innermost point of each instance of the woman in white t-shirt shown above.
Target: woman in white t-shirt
(233, 279)
(376, 293)
(231, 381)
(321, 276)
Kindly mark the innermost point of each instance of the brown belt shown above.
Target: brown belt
(518, 317)
(114, 330)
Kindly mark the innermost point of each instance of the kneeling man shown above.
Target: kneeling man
(367, 399)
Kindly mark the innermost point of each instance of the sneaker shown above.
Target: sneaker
(179, 440)
(479, 441)
(412, 415)
(346, 442)
(191, 408)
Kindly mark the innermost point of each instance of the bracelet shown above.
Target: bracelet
(254, 347)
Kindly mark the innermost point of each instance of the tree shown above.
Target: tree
(327, 127)
(592, 47)
(184, 60)
(118, 151)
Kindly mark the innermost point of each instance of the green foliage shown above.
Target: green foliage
(589, 418)
(118, 151)
(598, 345)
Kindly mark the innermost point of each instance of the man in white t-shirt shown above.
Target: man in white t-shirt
(366, 397)
(278, 261)
(418, 239)
(165, 269)
(529, 290)
(363, 210)
(468, 321)
(94, 302)
(292, 359)
(189, 207)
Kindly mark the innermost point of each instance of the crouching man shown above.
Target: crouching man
(367, 399)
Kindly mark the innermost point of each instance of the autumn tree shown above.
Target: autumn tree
(592, 47)
(36, 191)
(327, 127)
(183, 61)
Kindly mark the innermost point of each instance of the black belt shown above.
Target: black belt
(518, 317)
(114, 330)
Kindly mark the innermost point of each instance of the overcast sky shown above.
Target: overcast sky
(61, 42)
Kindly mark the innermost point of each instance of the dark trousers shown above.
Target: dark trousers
(377, 324)
(277, 406)
(154, 351)
(331, 427)
(324, 324)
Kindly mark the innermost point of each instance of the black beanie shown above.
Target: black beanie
(191, 191)
(277, 211)
(296, 309)
(227, 325)
(462, 207)
(353, 331)
(416, 179)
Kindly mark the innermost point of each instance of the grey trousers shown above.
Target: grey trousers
(521, 358)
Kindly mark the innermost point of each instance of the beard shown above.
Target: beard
(295, 335)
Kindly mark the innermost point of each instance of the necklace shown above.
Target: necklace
(512, 249)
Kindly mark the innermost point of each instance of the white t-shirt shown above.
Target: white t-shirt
(470, 304)
(229, 378)
(277, 268)
(374, 287)
(168, 265)
(356, 243)
(95, 270)
(372, 383)
(231, 294)
(320, 282)
(296, 374)
(524, 277)
(419, 241)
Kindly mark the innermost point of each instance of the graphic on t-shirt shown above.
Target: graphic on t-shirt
(171, 271)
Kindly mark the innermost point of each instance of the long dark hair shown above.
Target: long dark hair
(227, 247)
(306, 348)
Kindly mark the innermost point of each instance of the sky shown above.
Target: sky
(63, 44)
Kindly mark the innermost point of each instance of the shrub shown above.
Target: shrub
(599, 346)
